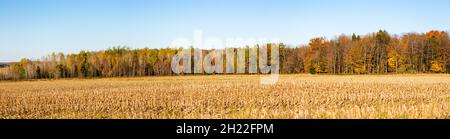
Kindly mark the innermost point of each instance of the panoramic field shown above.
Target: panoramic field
(230, 96)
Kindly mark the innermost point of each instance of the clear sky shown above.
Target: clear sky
(35, 28)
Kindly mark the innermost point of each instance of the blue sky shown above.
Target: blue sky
(35, 28)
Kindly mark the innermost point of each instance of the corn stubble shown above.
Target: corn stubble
(230, 96)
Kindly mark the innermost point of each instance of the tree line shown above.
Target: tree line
(374, 53)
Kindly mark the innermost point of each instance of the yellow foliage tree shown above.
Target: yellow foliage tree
(437, 67)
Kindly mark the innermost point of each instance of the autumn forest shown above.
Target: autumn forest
(374, 53)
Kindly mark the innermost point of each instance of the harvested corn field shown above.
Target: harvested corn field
(230, 96)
